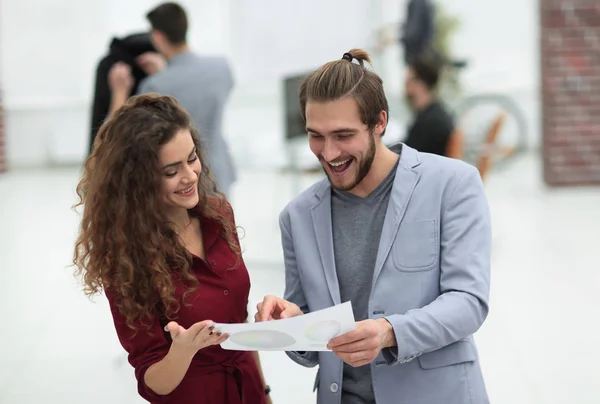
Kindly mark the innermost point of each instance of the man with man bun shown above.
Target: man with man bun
(405, 237)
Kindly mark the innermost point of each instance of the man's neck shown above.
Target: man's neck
(383, 163)
(176, 50)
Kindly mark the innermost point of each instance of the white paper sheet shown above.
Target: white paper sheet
(309, 332)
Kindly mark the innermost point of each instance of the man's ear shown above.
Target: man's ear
(381, 124)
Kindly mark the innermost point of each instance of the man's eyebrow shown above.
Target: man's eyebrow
(345, 130)
(337, 131)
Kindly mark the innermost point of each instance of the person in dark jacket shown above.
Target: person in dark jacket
(418, 30)
(126, 50)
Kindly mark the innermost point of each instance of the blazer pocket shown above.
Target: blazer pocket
(416, 247)
(458, 352)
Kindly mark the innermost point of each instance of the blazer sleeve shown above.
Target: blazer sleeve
(293, 286)
(230, 82)
(146, 87)
(144, 347)
(462, 306)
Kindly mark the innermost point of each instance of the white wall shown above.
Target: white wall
(48, 55)
(276, 37)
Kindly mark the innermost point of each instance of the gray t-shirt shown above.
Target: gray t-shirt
(357, 224)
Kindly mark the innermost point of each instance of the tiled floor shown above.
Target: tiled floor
(540, 345)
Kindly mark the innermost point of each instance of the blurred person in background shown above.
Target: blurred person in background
(405, 238)
(201, 84)
(433, 126)
(416, 34)
(419, 29)
(160, 240)
(125, 50)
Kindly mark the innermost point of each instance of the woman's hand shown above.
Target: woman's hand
(165, 375)
(195, 338)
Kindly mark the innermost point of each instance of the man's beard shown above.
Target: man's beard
(363, 169)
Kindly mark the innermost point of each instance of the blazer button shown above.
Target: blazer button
(214, 262)
(334, 387)
(225, 292)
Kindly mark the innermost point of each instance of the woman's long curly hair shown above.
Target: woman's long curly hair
(126, 243)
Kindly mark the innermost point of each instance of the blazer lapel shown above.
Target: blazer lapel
(321, 216)
(404, 185)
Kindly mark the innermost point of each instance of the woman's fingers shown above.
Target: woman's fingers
(217, 339)
(221, 339)
(200, 329)
(174, 329)
(202, 333)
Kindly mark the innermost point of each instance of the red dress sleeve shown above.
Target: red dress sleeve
(144, 349)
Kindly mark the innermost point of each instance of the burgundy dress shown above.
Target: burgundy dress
(215, 376)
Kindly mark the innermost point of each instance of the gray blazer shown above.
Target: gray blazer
(202, 85)
(431, 281)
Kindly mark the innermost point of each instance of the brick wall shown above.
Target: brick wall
(570, 67)
(2, 148)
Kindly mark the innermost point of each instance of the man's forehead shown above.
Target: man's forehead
(333, 113)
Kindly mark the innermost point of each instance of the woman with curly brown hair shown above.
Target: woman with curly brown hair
(160, 240)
